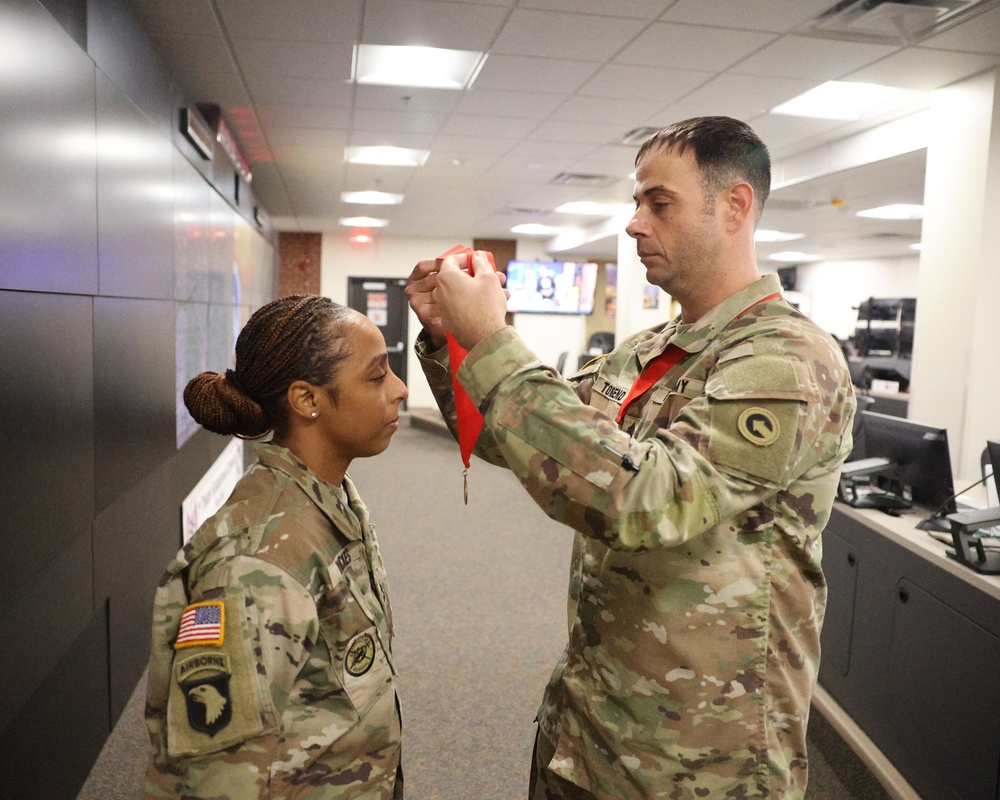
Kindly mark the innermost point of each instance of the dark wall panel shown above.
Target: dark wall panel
(134, 540)
(133, 392)
(135, 200)
(48, 230)
(122, 51)
(38, 625)
(192, 232)
(47, 751)
(46, 425)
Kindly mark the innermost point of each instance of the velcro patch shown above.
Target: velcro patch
(202, 624)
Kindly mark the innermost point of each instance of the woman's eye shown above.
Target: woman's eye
(379, 378)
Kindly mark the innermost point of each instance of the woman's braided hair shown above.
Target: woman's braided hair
(292, 338)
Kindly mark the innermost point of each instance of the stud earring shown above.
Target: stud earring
(314, 415)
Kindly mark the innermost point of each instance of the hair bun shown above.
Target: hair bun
(221, 406)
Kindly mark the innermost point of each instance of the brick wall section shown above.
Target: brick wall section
(299, 257)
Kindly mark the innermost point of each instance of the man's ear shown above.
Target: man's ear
(302, 397)
(740, 208)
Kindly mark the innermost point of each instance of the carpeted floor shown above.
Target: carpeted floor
(479, 598)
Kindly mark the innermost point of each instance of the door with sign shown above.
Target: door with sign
(383, 301)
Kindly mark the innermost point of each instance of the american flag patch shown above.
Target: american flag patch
(201, 623)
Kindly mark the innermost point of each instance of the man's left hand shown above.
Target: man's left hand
(472, 306)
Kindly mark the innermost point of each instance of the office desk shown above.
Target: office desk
(911, 652)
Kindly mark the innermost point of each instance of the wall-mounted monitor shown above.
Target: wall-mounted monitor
(551, 287)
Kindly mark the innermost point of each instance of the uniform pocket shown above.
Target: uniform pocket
(349, 624)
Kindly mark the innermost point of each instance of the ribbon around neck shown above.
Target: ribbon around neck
(469, 420)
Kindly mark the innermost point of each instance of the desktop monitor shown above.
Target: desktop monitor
(993, 448)
(920, 468)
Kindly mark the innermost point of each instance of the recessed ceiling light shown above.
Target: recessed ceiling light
(775, 236)
(408, 65)
(372, 198)
(386, 156)
(894, 211)
(846, 100)
(363, 222)
(792, 255)
(534, 229)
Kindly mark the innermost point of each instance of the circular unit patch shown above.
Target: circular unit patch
(759, 426)
(360, 655)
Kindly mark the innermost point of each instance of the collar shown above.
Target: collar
(350, 517)
(692, 337)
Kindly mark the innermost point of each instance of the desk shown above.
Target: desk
(911, 652)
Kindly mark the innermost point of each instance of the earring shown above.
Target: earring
(314, 415)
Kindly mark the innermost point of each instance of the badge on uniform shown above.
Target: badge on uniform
(360, 655)
(202, 624)
(759, 426)
(204, 679)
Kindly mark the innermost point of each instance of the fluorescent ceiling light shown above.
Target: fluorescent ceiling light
(894, 211)
(534, 229)
(845, 100)
(363, 222)
(386, 156)
(775, 236)
(793, 255)
(372, 198)
(592, 209)
(424, 67)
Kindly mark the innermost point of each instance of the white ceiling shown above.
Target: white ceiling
(563, 82)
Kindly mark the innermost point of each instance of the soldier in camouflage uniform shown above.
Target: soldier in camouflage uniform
(697, 463)
(271, 671)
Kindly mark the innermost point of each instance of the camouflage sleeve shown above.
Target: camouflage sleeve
(681, 481)
(226, 695)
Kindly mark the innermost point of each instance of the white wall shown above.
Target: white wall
(834, 289)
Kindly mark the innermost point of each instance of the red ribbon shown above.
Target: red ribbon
(469, 420)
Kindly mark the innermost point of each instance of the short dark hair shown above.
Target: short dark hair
(289, 339)
(727, 151)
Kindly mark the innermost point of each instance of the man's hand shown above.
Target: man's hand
(470, 306)
(420, 292)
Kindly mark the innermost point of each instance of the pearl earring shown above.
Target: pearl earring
(314, 414)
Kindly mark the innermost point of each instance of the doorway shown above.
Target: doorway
(383, 301)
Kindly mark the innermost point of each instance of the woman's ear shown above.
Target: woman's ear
(302, 400)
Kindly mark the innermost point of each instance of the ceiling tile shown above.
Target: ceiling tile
(635, 82)
(638, 9)
(540, 74)
(805, 57)
(757, 15)
(192, 18)
(981, 34)
(743, 95)
(923, 68)
(628, 113)
(496, 103)
(323, 60)
(559, 35)
(665, 44)
(303, 116)
(566, 130)
(274, 89)
(503, 127)
(407, 98)
(377, 119)
(307, 21)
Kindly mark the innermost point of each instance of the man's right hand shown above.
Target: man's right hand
(420, 292)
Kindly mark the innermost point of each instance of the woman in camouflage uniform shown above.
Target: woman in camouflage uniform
(271, 673)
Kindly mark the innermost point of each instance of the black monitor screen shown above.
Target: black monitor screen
(920, 459)
(994, 451)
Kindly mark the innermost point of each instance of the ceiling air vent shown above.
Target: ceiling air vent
(582, 179)
(894, 21)
(637, 136)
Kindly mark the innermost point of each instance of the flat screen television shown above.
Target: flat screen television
(920, 462)
(551, 287)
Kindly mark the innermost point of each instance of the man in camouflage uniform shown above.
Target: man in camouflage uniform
(697, 463)
(271, 673)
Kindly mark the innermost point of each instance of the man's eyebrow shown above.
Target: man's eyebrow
(652, 190)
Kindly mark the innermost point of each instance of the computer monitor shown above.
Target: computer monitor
(993, 448)
(920, 463)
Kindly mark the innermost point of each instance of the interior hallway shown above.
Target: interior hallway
(479, 600)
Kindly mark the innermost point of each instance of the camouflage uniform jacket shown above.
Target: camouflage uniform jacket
(285, 686)
(695, 592)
